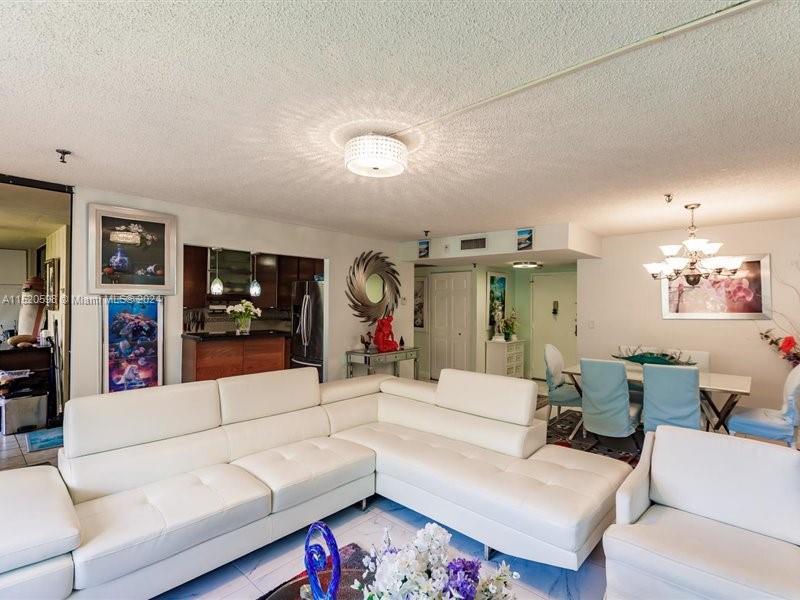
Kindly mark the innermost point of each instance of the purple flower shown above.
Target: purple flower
(463, 577)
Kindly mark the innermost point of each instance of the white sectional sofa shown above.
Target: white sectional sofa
(706, 516)
(168, 483)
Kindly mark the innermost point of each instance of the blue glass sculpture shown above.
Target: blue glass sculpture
(119, 261)
(316, 560)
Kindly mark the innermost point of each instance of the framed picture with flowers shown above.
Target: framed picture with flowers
(131, 251)
(746, 295)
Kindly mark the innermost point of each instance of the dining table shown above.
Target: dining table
(735, 386)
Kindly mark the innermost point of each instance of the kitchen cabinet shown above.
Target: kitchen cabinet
(287, 274)
(212, 356)
(266, 273)
(195, 276)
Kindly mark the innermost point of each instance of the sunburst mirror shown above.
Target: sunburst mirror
(373, 286)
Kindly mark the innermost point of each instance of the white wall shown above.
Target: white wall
(13, 272)
(620, 299)
(214, 228)
(58, 247)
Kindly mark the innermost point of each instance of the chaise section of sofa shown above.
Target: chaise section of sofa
(470, 454)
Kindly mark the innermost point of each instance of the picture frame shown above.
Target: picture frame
(133, 342)
(423, 249)
(496, 289)
(525, 239)
(421, 303)
(746, 296)
(131, 251)
(52, 291)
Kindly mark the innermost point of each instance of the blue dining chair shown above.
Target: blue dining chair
(671, 397)
(607, 409)
(769, 423)
(559, 392)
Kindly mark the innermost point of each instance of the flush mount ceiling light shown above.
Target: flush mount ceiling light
(526, 264)
(375, 156)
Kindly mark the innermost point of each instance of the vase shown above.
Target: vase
(513, 337)
(243, 326)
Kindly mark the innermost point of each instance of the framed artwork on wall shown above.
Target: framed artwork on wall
(747, 295)
(131, 251)
(524, 239)
(495, 292)
(51, 283)
(133, 342)
(420, 303)
(423, 248)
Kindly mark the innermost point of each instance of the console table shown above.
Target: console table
(372, 359)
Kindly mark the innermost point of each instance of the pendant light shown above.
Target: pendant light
(255, 287)
(217, 287)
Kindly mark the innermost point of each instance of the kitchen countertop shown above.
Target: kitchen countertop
(204, 336)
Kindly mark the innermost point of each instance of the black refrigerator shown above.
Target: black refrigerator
(307, 325)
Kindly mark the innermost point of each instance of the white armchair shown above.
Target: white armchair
(706, 516)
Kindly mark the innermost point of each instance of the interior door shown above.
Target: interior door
(451, 318)
(548, 328)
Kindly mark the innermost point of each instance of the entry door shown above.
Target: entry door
(548, 328)
(450, 322)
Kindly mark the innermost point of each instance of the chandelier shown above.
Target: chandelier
(375, 156)
(694, 260)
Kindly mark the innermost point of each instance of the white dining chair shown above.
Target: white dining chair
(769, 423)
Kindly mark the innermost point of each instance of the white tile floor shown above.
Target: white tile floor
(262, 571)
(14, 453)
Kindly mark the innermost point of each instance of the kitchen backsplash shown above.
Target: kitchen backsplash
(216, 322)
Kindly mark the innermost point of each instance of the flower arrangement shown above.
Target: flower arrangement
(421, 570)
(786, 346)
(510, 324)
(243, 314)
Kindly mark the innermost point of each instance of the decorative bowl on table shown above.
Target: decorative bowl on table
(674, 359)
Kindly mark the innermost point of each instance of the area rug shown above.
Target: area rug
(560, 427)
(351, 558)
(44, 439)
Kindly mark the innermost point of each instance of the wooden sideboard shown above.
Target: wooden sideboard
(211, 356)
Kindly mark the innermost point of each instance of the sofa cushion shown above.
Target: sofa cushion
(39, 521)
(91, 423)
(344, 389)
(727, 479)
(559, 495)
(307, 469)
(705, 557)
(50, 579)
(257, 395)
(496, 397)
(353, 412)
(129, 530)
(508, 438)
(423, 391)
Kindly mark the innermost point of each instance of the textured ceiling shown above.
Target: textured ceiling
(29, 215)
(246, 106)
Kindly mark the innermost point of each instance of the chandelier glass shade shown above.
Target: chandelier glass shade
(217, 287)
(375, 156)
(694, 260)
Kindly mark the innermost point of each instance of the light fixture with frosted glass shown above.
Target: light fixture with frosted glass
(695, 259)
(217, 287)
(375, 156)
(255, 287)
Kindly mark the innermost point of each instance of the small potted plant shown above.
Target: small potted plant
(510, 324)
(243, 314)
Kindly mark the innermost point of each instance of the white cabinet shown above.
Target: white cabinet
(505, 358)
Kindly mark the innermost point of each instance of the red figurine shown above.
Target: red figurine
(384, 338)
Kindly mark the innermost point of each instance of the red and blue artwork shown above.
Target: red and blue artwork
(133, 338)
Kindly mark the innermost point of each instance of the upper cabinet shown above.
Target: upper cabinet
(266, 273)
(287, 274)
(195, 276)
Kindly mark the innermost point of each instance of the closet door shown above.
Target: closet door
(451, 319)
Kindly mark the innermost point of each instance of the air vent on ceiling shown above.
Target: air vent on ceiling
(473, 244)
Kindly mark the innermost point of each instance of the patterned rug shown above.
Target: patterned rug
(559, 429)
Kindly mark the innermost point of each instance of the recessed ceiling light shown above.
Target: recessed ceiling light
(526, 264)
(375, 156)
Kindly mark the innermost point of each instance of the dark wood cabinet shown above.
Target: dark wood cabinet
(308, 268)
(195, 276)
(287, 274)
(266, 273)
(206, 358)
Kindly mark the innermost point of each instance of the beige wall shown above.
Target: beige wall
(13, 272)
(213, 228)
(618, 303)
